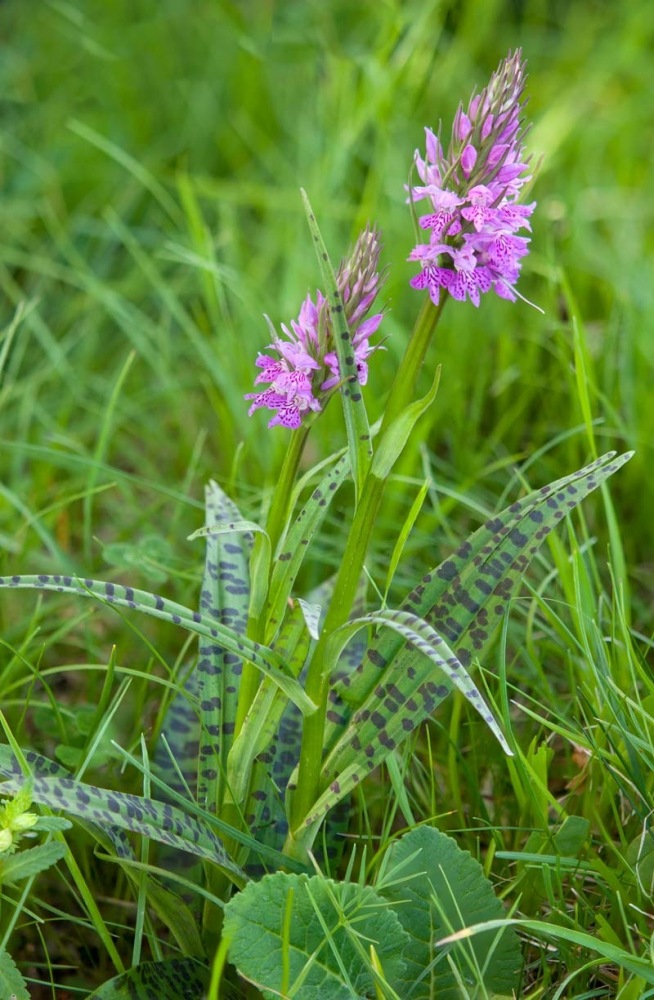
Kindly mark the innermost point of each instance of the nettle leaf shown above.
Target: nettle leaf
(29, 862)
(465, 597)
(263, 658)
(158, 821)
(437, 889)
(174, 979)
(12, 984)
(310, 938)
(397, 707)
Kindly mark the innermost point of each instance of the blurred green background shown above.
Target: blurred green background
(152, 155)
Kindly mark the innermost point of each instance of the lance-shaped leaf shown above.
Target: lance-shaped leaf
(170, 908)
(224, 598)
(263, 658)
(382, 722)
(173, 979)
(472, 591)
(114, 840)
(258, 737)
(465, 596)
(297, 540)
(356, 418)
(159, 821)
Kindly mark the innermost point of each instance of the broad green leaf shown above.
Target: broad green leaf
(157, 820)
(356, 418)
(310, 938)
(174, 979)
(264, 659)
(31, 861)
(437, 889)
(12, 983)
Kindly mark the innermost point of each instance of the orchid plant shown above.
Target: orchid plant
(295, 700)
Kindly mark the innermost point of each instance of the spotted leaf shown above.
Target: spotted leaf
(396, 706)
(174, 979)
(224, 598)
(264, 659)
(462, 600)
(169, 907)
(454, 597)
(159, 821)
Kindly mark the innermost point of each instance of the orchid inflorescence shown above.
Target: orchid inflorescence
(472, 248)
(307, 369)
(473, 192)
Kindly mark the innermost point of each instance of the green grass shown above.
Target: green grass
(152, 156)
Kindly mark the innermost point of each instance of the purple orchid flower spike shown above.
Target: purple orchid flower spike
(306, 370)
(473, 191)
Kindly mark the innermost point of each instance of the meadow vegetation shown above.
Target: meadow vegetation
(152, 160)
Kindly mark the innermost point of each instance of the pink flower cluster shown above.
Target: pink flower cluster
(306, 367)
(473, 246)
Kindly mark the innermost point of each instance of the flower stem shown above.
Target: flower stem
(405, 379)
(317, 683)
(278, 516)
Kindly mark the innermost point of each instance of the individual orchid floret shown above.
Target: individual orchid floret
(473, 191)
(305, 368)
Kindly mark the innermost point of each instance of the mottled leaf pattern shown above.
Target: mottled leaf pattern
(258, 738)
(157, 820)
(266, 660)
(397, 707)
(114, 840)
(463, 600)
(224, 598)
(175, 979)
(481, 566)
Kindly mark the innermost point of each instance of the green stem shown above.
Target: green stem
(281, 498)
(404, 382)
(317, 683)
(276, 522)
